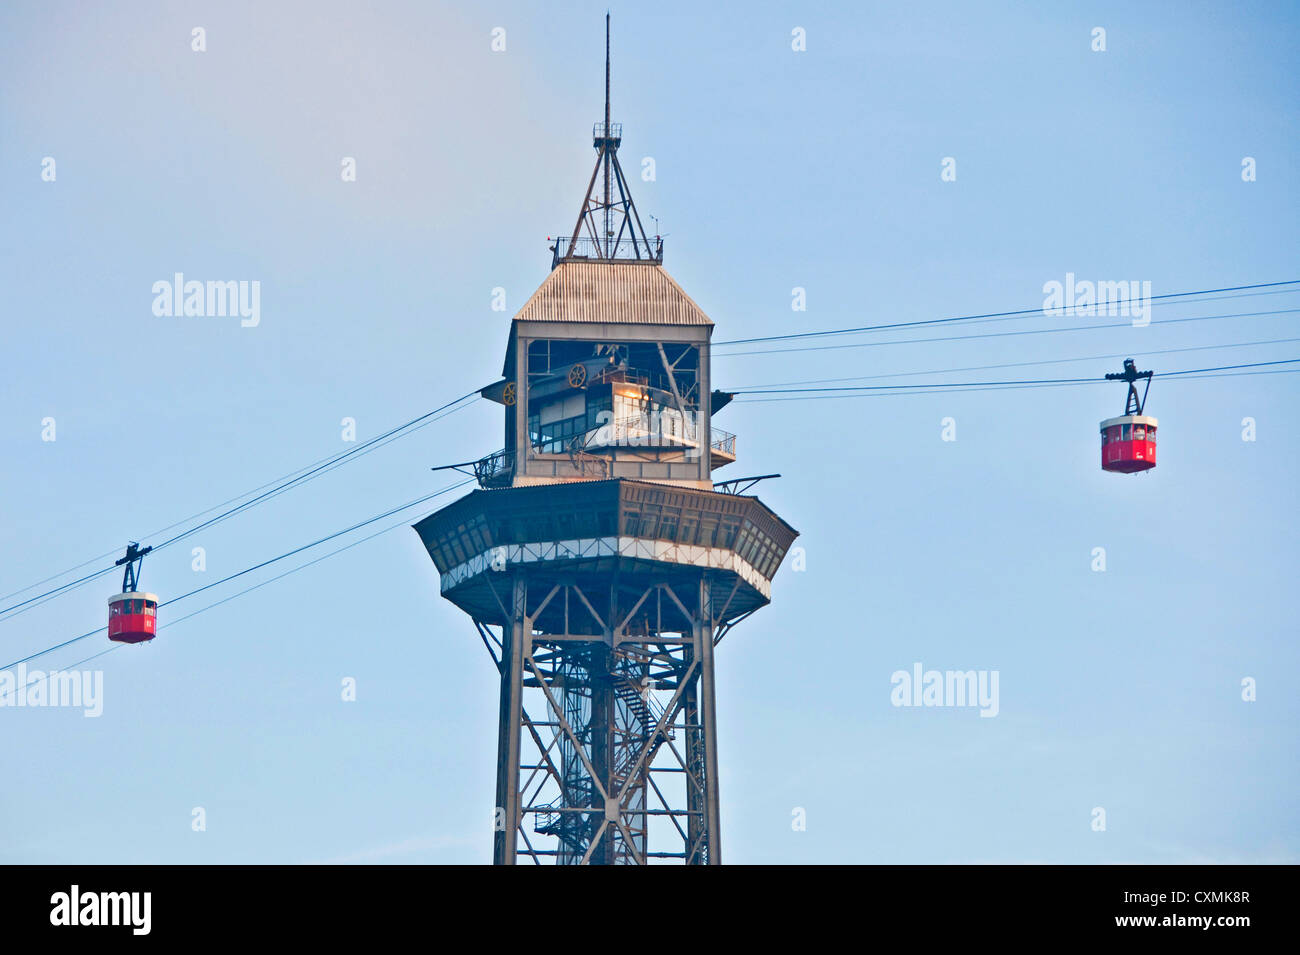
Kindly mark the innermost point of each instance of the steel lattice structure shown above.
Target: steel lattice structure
(618, 720)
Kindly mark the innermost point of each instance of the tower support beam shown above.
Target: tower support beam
(709, 724)
(516, 639)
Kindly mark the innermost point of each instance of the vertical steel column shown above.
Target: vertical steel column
(516, 635)
(709, 722)
(694, 745)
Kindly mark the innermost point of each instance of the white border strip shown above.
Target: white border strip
(716, 558)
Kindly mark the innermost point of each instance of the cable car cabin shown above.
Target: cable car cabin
(1128, 443)
(132, 617)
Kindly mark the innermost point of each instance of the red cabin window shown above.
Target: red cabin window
(1126, 432)
(1151, 435)
(1139, 432)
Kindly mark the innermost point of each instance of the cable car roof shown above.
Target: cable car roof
(1131, 419)
(133, 595)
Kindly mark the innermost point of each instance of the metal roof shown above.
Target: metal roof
(1130, 419)
(615, 292)
(132, 595)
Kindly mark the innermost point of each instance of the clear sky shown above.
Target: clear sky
(775, 169)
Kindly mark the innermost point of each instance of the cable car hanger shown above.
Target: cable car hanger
(1132, 404)
(133, 559)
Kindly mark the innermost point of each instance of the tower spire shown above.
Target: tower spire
(606, 67)
(607, 153)
(608, 228)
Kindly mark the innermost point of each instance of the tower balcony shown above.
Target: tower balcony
(722, 448)
(606, 134)
(659, 433)
(498, 468)
(495, 470)
(625, 247)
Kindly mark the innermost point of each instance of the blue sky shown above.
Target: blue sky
(775, 169)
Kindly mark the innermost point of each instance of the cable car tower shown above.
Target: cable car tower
(600, 564)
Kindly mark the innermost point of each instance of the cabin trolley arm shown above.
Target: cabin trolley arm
(1133, 404)
(133, 559)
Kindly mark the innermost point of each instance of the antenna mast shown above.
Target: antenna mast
(608, 228)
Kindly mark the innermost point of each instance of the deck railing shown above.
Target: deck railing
(495, 469)
(614, 249)
(498, 468)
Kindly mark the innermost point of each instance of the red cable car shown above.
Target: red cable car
(1128, 443)
(132, 614)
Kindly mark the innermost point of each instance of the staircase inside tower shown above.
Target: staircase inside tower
(604, 775)
(588, 679)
